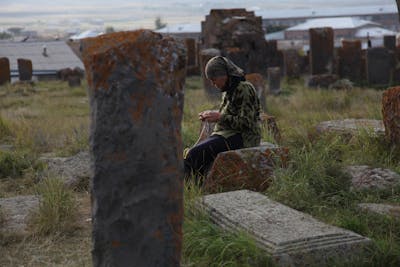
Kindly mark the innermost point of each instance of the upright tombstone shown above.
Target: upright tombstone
(274, 80)
(349, 57)
(379, 66)
(321, 50)
(205, 56)
(389, 42)
(257, 80)
(292, 63)
(391, 114)
(5, 75)
(24, 69)
(136, 95)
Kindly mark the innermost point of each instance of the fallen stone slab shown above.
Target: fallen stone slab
(16, 211)
(75, 171)
(247, 168)
(382, 209)
(366, 177)
(352, 126)
(292, 238)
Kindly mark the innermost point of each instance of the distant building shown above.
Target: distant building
(47, 57)
(182, 30)
(85, 34)
(385, 15)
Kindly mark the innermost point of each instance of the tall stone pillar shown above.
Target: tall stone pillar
(135, 84)
(5, 75)
(379, 66)
(321, 50)
(349, 58)
(274, 80)
(24, 69)
(391, 114)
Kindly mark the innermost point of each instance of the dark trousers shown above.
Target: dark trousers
(200, 157)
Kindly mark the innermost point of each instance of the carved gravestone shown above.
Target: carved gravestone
(205, 56)
(5, 75)
(389, 42)
(136, 94)
(257, 80)
(321, 50)
(238, 56)
(378, 66)
(24, 69)
(349, 57)
(290, 237)
(391, 114)
(274, 80)
(292, 63)
(192, 65)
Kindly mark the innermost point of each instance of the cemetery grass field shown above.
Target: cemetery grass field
(51, 119)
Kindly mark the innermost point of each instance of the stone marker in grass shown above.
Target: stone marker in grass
(292, 238)
(136, 96)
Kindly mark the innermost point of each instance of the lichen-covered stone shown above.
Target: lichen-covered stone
(381, 209)
(366, 177)
(352, 126)
(293, 63)
(5, 75)
(321, 50)
(136, 96)
(25, 69)
(391, 114)
(247, 168)
(257, 80)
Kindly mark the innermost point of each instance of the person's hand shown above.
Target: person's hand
(209, 115)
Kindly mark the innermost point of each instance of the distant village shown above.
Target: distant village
(280, 29)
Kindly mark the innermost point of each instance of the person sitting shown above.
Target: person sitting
(237, 120)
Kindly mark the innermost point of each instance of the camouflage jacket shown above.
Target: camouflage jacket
(240, 113)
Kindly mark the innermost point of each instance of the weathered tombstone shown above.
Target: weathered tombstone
(321, 50)
(349, 57)
(378, 66)
(5, 75)
(246, 168)
(322, 80)
(391, 114)
(381, 209)
(274, 80)
(74, 81)
(136, 94)
(352, 126)
(192, 66)
(24, 69)
(292, 63)
(238, 56)
(205, 56)
(366, 177)
(389, 42)
(257, 80)
(291, 237)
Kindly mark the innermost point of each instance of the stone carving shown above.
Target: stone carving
(5, 75)
(17, 211)
(291, 237)
(321, 50)
(136, 96)
(391, 114)
(274, 80)
(24, 69)
(366, 177)
(352, 126)
(378, 66)
(257, 80)
(247, 168)
(349, 60)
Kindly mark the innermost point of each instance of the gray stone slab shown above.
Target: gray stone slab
(16, 212)
(382, 209)
(352, 126)
(291, 237)
(367, 177)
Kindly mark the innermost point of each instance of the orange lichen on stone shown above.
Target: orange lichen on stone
(391, 114)
(140, 102)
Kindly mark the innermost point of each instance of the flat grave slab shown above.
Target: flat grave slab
(292, 238)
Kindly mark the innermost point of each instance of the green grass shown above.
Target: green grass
(51, 117)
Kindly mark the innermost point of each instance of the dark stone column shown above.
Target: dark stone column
(24, 69)
(391, 114)
(321, 50)
(274, 80)
(292, 63)
(389, 42)
(5, 75)
(349, 58)
(378, 66)
(136, 96)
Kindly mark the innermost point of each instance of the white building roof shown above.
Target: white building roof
(374, 32)
(275, 35)
(334, 23)
(327, 12)
(85, 34)
(181, 28)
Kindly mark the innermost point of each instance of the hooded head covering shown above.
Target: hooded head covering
(220, 66)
